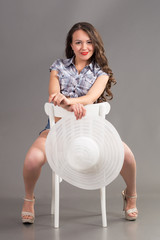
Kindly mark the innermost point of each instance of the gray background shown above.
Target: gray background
(32, 36)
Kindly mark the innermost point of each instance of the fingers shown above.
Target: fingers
(79, 110)
(58, 99)
(51, 97)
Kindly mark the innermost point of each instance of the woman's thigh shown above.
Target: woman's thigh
(128, 154)
(36, 154)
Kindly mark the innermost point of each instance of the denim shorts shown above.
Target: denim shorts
(46, 127)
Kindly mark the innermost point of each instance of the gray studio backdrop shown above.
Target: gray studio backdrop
(33, 35)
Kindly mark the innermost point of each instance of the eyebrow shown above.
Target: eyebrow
(81, 40)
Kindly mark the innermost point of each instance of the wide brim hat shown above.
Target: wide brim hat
(86, 153)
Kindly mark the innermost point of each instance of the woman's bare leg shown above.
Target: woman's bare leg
(33, 163)
(128, 173)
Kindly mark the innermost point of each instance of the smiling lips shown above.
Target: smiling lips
(84, 53)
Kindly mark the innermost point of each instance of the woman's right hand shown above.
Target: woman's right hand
(58, 99)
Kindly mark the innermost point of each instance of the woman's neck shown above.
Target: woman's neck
(80, 64)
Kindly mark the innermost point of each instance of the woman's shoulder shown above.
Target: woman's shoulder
(57, 62)
(60, 63)
(98, 70)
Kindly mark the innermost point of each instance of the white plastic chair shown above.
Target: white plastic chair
(52, 111)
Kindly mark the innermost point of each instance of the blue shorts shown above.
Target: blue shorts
(46, 127)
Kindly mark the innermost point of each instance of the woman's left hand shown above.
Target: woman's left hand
(78, 109)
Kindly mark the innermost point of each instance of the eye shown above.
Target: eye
(89, 42)
(78, 42)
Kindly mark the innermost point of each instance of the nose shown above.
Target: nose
(84, 46)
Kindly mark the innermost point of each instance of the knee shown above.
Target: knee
(129, 158)
(34, 160)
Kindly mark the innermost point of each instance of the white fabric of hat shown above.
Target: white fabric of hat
(83, 154)
(87, 153)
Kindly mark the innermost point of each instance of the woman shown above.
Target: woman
(83, 78)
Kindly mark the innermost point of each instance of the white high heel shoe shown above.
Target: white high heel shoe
(28, 214)
(132, 210)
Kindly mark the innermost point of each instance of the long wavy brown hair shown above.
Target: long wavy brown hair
(98, 56)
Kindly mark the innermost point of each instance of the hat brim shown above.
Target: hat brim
(110, 154)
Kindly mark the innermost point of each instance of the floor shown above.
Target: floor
(80, 219)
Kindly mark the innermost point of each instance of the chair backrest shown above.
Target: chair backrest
(98, 109)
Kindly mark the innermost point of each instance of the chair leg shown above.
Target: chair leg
(53, 193)
(103, 206)
(56, 212)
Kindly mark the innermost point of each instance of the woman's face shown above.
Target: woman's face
(82, 46)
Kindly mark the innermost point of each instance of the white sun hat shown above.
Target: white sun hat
(86, 153)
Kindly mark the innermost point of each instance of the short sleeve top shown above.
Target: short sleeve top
(72, 83)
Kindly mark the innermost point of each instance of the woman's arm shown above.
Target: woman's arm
(54, 91)
(59, 99)
(54, 86)
(75, 104)
(94, 93)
